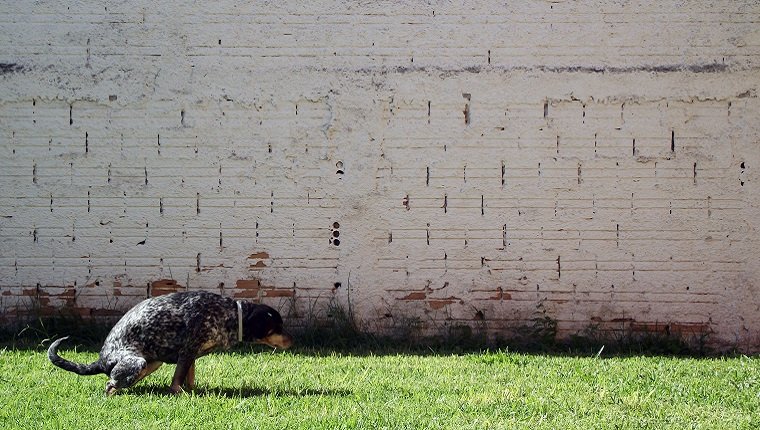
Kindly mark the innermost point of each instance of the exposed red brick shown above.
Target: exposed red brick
(69, 296)
(649, 327)
(258, 266)
(440, 304)
(163, 286)
(501, 295)
(258, 255)
(210, 268)
(689, 328)
(419, 295)
(246, 294)
(248, 284)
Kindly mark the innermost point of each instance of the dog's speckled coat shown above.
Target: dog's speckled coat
(175, 328)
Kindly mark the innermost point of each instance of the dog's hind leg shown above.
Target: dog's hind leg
(128, 371)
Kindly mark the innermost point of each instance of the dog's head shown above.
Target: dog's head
(264, 325)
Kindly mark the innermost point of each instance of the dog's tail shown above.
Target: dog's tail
(80, 369)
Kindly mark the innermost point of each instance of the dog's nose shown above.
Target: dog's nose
(287, 341)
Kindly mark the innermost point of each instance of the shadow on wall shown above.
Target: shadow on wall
(328, 324)
(332, 327)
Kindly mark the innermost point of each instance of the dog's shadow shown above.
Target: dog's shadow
(237, 393)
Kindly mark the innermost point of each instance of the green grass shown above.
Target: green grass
(305, 389)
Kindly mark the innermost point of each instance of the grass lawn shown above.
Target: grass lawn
(255, 388)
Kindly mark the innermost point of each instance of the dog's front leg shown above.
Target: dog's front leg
(184, 366)
(190, 378)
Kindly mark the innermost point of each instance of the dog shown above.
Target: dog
(176, 328)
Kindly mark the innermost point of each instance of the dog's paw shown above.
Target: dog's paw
(176, 389)
(110, 390)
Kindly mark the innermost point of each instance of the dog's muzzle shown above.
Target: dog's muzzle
(277, 340)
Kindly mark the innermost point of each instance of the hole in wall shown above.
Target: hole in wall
(335, 234)
(466, 111)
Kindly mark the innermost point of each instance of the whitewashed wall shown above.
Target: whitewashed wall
(425, 164)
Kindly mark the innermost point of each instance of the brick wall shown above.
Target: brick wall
(425, 165)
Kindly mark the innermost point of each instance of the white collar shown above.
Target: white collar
(240, 320)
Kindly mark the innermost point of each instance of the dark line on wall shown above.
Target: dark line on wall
(7, 68)
(475, 69)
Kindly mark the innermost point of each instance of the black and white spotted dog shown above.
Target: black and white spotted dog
(176, 328)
